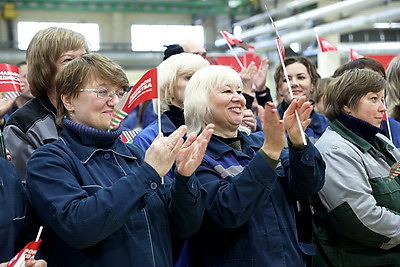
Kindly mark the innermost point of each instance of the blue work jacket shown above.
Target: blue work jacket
(250, 218)
(14, 226)
(104, 206)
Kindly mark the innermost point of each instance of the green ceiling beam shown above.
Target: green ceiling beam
(199, 7)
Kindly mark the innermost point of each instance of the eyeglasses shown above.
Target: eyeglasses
(105, 93)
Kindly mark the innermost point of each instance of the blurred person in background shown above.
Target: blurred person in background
(33, 125)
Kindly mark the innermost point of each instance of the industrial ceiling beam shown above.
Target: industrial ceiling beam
(205, 7)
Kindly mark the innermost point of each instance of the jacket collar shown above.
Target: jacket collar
(217, 148)
(355, 139)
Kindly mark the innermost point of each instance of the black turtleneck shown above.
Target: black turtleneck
(234, 142)
(362, 128)
(175, 114)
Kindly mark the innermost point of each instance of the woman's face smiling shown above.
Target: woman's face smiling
(300, 82)
(227, 104)
(91, 110)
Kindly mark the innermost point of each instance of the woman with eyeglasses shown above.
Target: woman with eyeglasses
(101, 200)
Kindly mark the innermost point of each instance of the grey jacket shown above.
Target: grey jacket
(29, 128)
(357, 221)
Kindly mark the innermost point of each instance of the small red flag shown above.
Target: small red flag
(232, 40)
(145, 89)
(325, 46)
(354, 55)
(10, 84)
(28, 252)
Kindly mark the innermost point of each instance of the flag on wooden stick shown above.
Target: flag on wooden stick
(231, 40)
(281, 51)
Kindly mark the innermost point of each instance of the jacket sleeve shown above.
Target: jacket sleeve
(78, 218)
(232, 201)
(20, 147)
(188, 203)
(303, 171)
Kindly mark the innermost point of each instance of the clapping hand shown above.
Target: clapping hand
(304, 109)
(192, 151)
(273, 129)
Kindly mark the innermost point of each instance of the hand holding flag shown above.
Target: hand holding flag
(28, 252)
(281, 50)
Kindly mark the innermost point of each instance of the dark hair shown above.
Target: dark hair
(348, 89)
(361, 63)
(172, 50)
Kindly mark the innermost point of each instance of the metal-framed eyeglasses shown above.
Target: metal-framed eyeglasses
(106, 94)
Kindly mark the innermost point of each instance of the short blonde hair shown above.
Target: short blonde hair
(170, 69)
(197, 94)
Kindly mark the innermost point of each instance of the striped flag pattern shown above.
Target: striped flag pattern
(394, 171)
(128, 136)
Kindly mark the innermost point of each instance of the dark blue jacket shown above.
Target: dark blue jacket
(107, 206)
(250, 219)
(14, 225)
(148, 134)
(394, 126)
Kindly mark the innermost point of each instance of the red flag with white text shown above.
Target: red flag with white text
(28, 252)
(325, 46)
(10, 84)
(145, 89)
